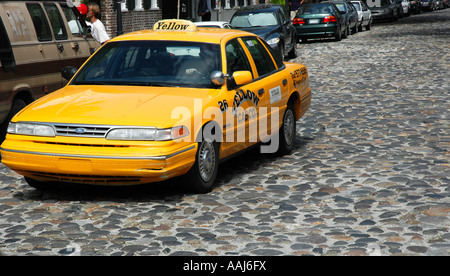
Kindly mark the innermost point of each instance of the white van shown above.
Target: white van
(37, 39)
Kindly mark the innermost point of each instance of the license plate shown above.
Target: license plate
(314, 21)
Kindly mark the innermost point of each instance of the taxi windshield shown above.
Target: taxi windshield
(152, 63)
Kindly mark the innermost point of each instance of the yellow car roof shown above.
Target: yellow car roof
(192, 33)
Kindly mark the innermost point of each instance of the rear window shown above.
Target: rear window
(316, 9)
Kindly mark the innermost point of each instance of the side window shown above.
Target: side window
(6, 54)
(236, 57)
(59, 30)
(72, 20)
(40, 22)
(261, 57)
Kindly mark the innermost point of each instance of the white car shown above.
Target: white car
(214, 24)
(364, 14)
(406, 4)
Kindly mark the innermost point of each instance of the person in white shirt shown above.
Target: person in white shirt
(98, 30)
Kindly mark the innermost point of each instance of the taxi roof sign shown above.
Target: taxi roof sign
(175, 25)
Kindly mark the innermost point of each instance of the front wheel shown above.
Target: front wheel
(287, 132)
(203, 173)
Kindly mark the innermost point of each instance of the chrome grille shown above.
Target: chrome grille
(81, 130)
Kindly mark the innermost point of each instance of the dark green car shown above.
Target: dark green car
(319, 20)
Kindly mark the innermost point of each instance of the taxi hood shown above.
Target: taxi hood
(116, 105)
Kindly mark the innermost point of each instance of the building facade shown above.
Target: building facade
(142, 14)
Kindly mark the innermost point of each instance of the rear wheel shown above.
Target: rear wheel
(346, 32)
(287, 132)
(338, 35)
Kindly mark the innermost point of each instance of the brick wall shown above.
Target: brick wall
(131, 20)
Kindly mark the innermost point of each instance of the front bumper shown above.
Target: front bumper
(79, 162)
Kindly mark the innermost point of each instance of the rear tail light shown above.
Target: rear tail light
(298, 21)
(329, 19)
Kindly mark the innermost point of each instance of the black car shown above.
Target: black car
(270, 22)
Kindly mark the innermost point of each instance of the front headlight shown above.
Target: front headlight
(31, 129)
(147, 134)
(273, 41)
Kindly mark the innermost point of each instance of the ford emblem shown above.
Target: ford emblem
(80, 130)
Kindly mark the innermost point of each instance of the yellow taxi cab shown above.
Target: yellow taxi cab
(155, 104)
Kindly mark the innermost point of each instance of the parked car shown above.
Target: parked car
(406, 5)
(37, 38)
(427, 5)
(415, 7)
(318, 20)
(383, 9)
(214, 24)
(398, 5)
(364, 14)
(272, 23)
(439, 4)
(350, 14)
(153, 105)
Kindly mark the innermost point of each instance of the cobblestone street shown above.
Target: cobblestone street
(369, 175)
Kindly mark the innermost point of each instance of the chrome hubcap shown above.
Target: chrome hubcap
(206, 160)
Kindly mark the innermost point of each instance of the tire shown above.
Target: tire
(293, 52)
(338, 35)
(287, 132)
(281, 52)
(355, 29)
(202, 175)
(346, 32)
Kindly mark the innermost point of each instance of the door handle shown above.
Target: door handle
(284, 82)
(261, 91)
(75, 46)
(60, 47)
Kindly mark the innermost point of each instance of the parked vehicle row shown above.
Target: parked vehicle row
(334, 18)
(339, 18)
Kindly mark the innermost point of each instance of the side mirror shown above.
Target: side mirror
(217, 78)
(242, 77)
(68, 72)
